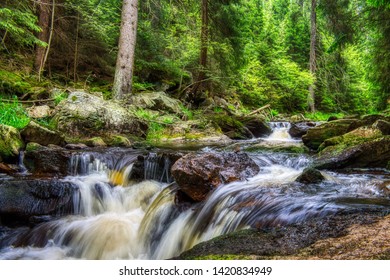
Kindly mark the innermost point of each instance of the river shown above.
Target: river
(140, 220)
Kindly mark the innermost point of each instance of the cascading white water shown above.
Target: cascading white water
(142, 221)
(279, 131)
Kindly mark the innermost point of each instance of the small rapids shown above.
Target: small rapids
(118, 218)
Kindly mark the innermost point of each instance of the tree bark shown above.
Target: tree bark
(124, 69)
(44, 24)
(204, 37)
(313, 58)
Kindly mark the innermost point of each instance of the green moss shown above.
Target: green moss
(31, 147)
(10, 142)
(337, 144)
(119, 141)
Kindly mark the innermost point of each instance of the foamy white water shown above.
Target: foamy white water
(143, 221)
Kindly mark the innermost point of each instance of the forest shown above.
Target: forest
(209, 129)
(299, 56)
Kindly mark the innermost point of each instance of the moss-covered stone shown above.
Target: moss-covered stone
(31, 147)
(118, 141)
(84, 115)
(351, 138)
(373, 153)
(230, 126)
(95, 142)
(34, 132)
(317, 135)
(10, 142)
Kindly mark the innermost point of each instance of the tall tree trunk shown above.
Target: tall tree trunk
(47, 50)
(313, 44)
(124, 69)
(44, 24)
(204, 37)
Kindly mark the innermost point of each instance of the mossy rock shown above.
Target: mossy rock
(95, 142)
(10, 143)
(32, 146)
(374, 153)
(231, 126)
(13, 84)
(84, 115)
(317, 135)
(34, 132)
(357, 136)
(118, 141)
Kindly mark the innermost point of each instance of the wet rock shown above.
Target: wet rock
(257, 126)
(34, 132)
(316, 135)
(10, 143)
(310, 176)
(8, 168)
(370, 154)
(154, 167)
(297, 241)
(297, 130)
(84, 115)
(48, 162)
(22, 199)
(198, 174)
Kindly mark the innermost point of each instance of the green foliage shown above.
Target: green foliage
(187, 113)
(321, 116)
(258, 51)
(13, 114)
(18, 25)
(155, 132)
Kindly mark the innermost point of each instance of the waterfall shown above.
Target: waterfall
(141, 219)
(279, 131)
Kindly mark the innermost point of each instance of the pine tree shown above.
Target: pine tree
(122, 87)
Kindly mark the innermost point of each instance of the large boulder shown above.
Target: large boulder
(157, 101)
(198, 174)
(10, 143)
(87, 115)
(373, 153)
(188, 133)
(368, 120)
(310, 176)
(351, 138)
(36, 133)
(45, 161)
(316, 135)
(21, 199)
(257, 126)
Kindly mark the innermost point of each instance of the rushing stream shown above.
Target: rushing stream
(142, 221)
